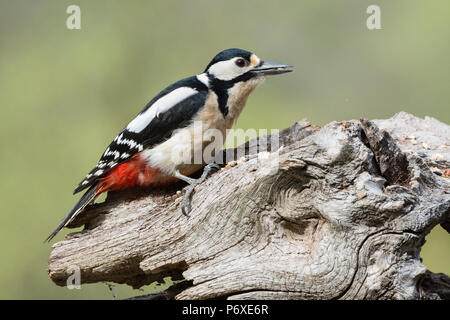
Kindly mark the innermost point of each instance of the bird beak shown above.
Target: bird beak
(269, 68)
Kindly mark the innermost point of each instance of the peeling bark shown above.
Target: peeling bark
(338, 212)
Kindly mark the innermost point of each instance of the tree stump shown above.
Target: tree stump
(338, 212)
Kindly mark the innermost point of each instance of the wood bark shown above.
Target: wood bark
(339, 212)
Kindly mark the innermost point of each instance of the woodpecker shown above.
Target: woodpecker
(145, 153)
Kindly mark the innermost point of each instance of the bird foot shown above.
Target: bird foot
(186, 204)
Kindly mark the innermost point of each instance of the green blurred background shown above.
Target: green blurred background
(64, 94)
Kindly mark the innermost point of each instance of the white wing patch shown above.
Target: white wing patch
(162, 105)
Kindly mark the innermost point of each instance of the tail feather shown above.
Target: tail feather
(88, 197)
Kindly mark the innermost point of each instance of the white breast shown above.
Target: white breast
(237, 98)
(191, 147)
(188, 149)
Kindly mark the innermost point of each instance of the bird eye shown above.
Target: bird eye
(240, 63)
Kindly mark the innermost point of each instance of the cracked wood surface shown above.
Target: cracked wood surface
(338, 212)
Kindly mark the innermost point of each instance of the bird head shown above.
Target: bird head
(237, 64)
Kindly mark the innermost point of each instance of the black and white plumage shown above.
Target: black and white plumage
(143, 153)
(154, 124)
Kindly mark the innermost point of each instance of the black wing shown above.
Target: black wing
(127, 143)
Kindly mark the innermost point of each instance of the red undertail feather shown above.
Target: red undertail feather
(134, 172)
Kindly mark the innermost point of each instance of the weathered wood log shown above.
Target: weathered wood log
(335, 213)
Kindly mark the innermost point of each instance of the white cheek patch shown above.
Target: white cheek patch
(227, 70)
(160, 106)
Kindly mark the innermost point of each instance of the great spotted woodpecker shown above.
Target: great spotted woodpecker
(145, 152)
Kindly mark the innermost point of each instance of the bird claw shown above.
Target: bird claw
(186, 209)
(186, 204)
